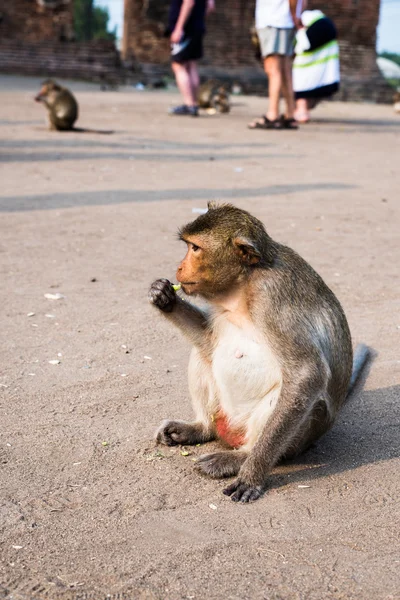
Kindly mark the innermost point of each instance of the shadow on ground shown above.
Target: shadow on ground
(66, 140)
(103, 198)
(61, 146)
(58, 155)
(359, 122)
(367, 432)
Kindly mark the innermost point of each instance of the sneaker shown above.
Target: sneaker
(194, 111)
(184, 110)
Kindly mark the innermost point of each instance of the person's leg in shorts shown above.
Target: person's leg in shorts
(273, 70)
(276, 48)
(194, 79)
(182, 72)
(287, 86)
(184, 66)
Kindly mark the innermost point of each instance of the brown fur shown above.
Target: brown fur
(61, 105)
(213, 95)
(272, 314)
(62, 108)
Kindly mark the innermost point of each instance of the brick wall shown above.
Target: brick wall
(31, 30)
(229, 54)
(36, 38)
(36, 20)
(95, 61)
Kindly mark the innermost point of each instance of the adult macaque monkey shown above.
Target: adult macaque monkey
(62, 108)
(272, 358)
(61, 105)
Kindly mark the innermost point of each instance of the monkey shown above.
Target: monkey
(213, 95)
(255, 42)
(62, 108)
(61, 105)
(272, 359)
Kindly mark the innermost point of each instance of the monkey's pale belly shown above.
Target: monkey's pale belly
(246, 374)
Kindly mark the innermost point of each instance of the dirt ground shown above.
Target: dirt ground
(89, 507)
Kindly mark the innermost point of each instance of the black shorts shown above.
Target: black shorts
(189, 48)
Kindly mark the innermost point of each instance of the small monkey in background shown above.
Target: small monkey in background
(213, 95)
(61, 105)
(272, 359)
(62, 108)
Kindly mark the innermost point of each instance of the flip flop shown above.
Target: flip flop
(265, 123)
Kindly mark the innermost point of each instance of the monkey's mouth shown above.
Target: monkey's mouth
(188, 286)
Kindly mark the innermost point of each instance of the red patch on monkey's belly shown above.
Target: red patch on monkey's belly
(232, 437)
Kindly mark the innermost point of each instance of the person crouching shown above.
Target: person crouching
(316, 69)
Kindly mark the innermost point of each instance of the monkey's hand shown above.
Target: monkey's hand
(162, 295)
(239, 491)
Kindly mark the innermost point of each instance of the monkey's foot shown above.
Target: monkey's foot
(173, 433)
(243, 492)
(221, 464)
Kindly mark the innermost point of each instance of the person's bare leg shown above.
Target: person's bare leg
(301, 113)
(194, 80)
(273, 70)
(287, 87)
(183, 81)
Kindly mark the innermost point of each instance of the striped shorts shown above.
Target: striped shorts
(276, 41)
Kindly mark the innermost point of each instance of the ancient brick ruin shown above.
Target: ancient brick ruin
(228, 52)
(36, 20)
(36, 37)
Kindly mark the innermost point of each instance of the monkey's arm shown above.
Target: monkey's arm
(293, 409)
(192, 321)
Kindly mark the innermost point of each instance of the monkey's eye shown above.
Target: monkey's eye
(195, 248)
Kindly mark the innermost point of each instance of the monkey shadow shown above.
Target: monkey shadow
(366, 432)
(79, 130)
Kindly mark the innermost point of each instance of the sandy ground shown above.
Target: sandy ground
(89, 507)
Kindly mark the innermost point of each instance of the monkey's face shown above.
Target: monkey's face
(48, 89)
(209, 268)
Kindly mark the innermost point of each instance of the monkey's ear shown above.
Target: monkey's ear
(246, 250)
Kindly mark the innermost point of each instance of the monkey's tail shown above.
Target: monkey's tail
(362, 357)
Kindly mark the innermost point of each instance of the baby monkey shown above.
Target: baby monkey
(272, 359)
(61, 105)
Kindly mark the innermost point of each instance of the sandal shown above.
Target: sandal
(265, 123)
(289, 123)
